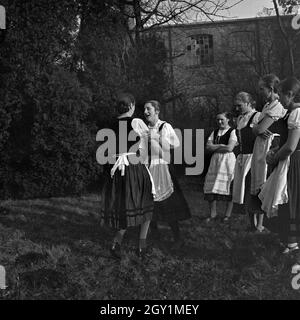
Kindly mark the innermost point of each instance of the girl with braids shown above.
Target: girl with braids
(282, 189)
(264, 131)
(247, 118)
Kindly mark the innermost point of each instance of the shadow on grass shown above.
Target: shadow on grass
(62, 223)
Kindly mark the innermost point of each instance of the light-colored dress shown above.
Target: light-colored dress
(221, 169)
(159, 167)
(276, 111)
(243, 161)
(275, 190)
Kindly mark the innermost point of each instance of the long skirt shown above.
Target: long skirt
(127, 201)
(259, 166)
(293, 186)
(175, 207)
(242, 168)
(274, 190)
(218, 180)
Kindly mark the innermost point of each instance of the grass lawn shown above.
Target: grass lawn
(55, 249)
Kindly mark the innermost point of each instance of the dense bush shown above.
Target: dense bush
(50, 148)
(61, 65)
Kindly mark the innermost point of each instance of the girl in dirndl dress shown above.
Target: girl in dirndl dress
(127, 196)
(170, 204)
(220, 173)
(265, 132)
(285, 197)
(241, 184)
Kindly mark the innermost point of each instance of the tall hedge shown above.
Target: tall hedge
(58, 79)
(51, 143)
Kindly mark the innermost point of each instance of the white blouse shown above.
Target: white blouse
(274, 110)
(167, 132)
(294, 119)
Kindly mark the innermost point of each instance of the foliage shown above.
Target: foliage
(51, 144)
(64, 63)
(289, 5)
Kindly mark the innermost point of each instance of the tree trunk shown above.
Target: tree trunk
(138, 20)
(287, 39)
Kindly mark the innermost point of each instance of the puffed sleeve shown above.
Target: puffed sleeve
(294, 119)
(141, 129)
(275, 110)
(170, 136)
(255, 119)
(233, 136)
(211, 137)
(139, 126)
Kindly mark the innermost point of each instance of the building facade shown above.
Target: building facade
(210, 62)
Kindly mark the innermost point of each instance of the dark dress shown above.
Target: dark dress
(126, 200)
(174, 208)
(289, 214)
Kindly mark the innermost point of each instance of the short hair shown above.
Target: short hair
(124, 102)
(246, 98)
(155, 104)
(271, 81)
(290, 84)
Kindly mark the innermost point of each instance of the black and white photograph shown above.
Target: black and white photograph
(149, 153)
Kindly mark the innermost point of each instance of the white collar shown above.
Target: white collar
(157, 124)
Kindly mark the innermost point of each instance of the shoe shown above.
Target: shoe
(226, 219)
(210, 219)
(296, 268)
(288, 249)
(262, 231)
(141, 253)
(115, 251)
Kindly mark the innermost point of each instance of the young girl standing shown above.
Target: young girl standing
(220, 173)
(289, 214)
(170, 204)
(247, 118)
(264, 131)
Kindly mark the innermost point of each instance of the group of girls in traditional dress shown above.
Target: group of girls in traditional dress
(137, 192)
(265, 176)
(264, 179)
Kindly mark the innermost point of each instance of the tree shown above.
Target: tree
(149, 14)
(63, 63)
(289, 37)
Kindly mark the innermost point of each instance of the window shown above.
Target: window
(200, 50)
(242, 45)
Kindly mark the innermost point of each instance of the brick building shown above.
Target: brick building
(210, 62)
